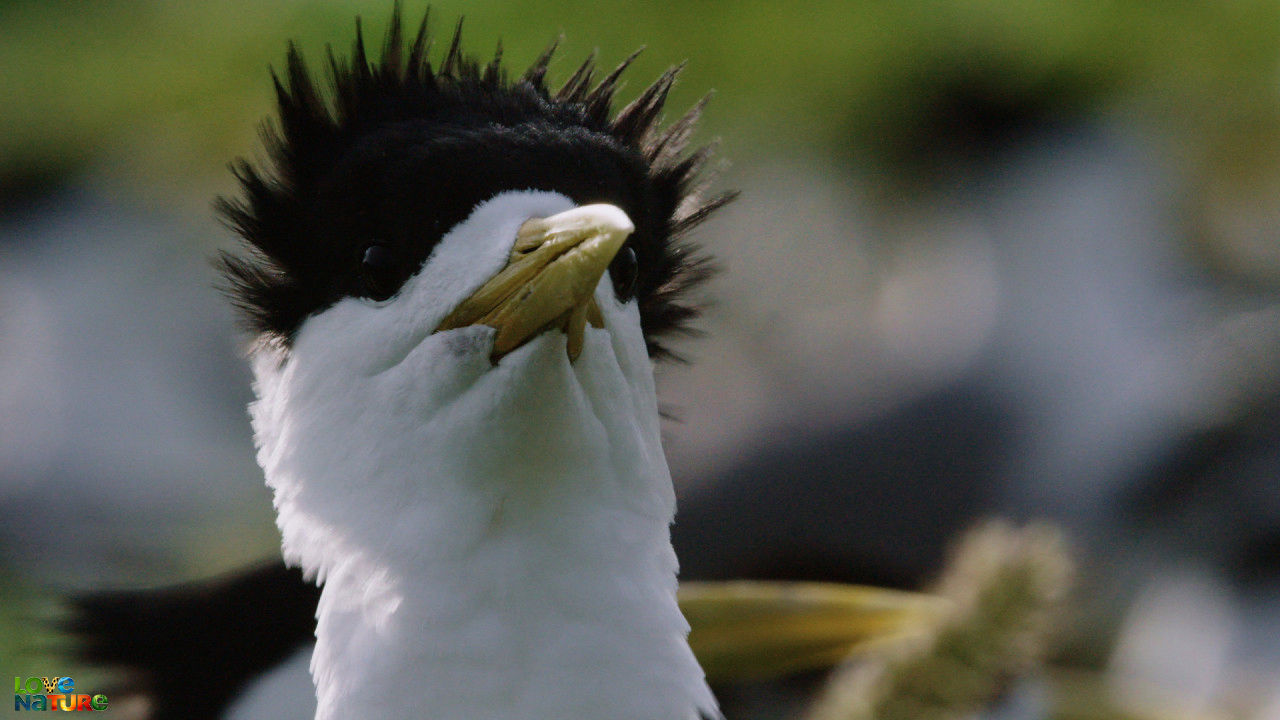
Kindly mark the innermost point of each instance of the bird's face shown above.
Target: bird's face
(523, 268)
(525, 218)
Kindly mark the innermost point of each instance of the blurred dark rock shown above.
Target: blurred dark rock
(873, 503)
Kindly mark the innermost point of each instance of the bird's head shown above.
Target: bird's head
(455, 274)
(399, 202)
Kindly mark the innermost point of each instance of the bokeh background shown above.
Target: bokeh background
(991, 258)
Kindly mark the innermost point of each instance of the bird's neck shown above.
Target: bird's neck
(514, 563)
(569, 614)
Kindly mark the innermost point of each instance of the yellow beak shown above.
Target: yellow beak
(753, 630)
(549, 280)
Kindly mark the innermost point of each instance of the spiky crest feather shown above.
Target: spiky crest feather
(311, 133)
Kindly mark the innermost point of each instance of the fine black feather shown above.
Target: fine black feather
(192, 648)
(402, 150)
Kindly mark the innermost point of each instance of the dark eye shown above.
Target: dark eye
(623, 272)
(380, 272)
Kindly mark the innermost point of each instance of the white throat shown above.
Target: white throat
(493, 541)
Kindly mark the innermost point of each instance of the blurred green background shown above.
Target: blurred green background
(158, 95)
(1070, 209)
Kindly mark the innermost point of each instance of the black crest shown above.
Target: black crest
(403, 150)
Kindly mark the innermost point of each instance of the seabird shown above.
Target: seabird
(458, 284)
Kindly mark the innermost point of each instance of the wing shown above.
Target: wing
(190, 649)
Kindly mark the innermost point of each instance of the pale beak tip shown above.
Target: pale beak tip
(601, 217)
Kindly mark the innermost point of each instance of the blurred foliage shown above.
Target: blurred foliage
(1007, 585)
(29, 642)
(19, 623)
(162, 95)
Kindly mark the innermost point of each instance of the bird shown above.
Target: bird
(457, 284)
